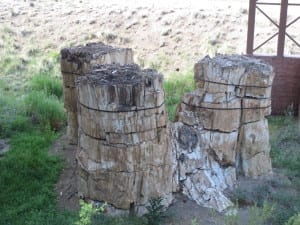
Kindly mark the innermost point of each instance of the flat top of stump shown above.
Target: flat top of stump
(111, 74)
(232, 61)
(87, 51)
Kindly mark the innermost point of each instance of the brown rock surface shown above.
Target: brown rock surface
(77, 61)
(81, 59)
(255, 148)
(123, 150)
(221, 130)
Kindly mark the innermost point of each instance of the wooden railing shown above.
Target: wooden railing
(281, 27)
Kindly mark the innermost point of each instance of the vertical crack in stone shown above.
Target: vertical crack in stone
(133, 162)
(227, 111)
(78, 61)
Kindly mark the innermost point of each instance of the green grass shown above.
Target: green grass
(45, 109)
(49, 84)
(175, 86)
(282, 192)
(32, 114)
(285, 154)
(285, 141)
(28, 175)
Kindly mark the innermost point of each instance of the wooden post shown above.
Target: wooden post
(282, 28)
(251, 25)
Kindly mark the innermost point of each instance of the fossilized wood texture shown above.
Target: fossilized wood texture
(76, 62)
(81, 59)
(205, 164)
(254, 149)
(240, 75)
(221, 130)
(123, 149)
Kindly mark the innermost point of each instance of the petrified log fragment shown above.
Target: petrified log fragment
(221, 131)
(123, 150)
(247, 77)
(254, 149)
(77, 61)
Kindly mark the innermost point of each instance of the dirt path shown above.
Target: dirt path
(66, 189)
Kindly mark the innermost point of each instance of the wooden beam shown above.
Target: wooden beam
(282, 27)
(251, 26)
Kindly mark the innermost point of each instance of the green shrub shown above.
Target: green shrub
(294, 220)
(45, 110)
(86, 213)
(155, 212)
(259, 216)
(12, 116)
(102, 219)
(51, 85)
(175, 86)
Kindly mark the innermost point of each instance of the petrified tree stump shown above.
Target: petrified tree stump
(77, 61)
(123, 152)
(225, 117)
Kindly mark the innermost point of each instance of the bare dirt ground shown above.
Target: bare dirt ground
(169, 35)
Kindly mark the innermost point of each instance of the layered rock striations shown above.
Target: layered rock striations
(79, 60)
(123, 149)
(220, 130)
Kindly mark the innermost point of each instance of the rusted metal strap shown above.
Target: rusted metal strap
(239, 85)
(119, 111)
(104, 141)
(78, 74)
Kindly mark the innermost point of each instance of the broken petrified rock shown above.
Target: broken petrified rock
(220, 131)
(247, 77)
(254, 149)
(212, 113)
(205, 164)
(77, 61)
(123, 150)
(255, 109)
(81, 59)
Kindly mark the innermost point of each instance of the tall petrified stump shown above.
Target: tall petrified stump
(221, 131)
(123, 155)
(77, 61)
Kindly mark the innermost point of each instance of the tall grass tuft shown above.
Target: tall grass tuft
(45, 110)
(12, 116)
(175, 86)
(51, 85)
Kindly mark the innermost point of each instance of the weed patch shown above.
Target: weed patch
(175, 86)
(282, 191)
(49, 84)
(45, 110)
(28, 175)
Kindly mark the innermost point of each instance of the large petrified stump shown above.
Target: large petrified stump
(77, 61)
(123, 154)
(221, 131)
